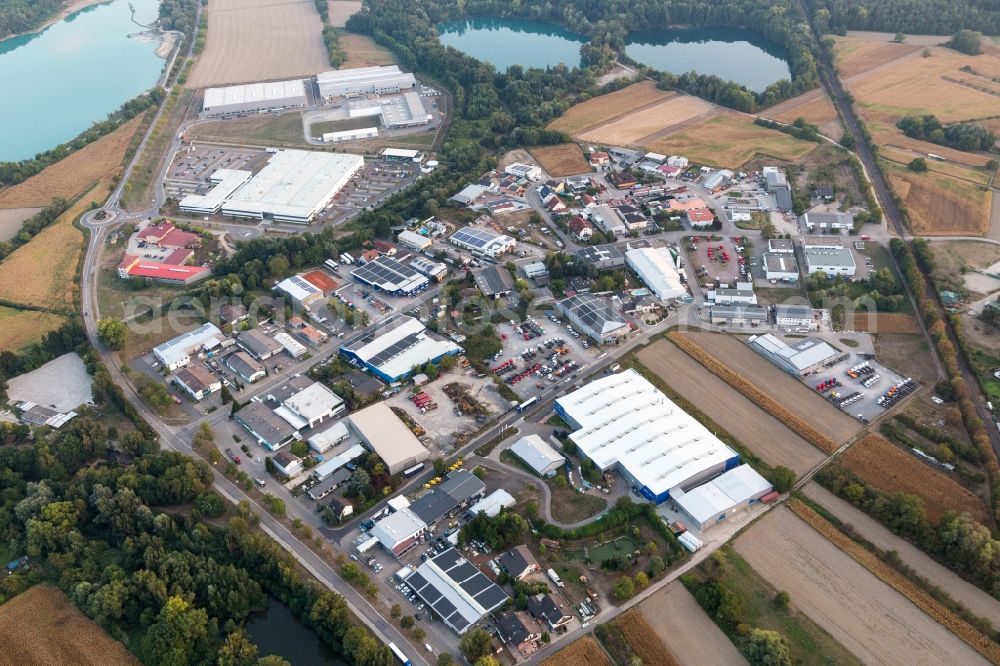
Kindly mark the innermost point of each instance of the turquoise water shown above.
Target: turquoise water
(506, 42)
(731, 54)
(58, 82)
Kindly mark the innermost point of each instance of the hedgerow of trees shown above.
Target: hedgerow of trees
(914, 17)
(968, 136)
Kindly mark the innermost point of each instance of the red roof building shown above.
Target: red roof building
(700, 217)
(133, 267)
(166, 235)
(178, 257)
(669, 171)
(599, 157)
(388, 249)
(581, 228)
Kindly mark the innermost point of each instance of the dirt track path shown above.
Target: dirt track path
(977, 601)
(865, 615)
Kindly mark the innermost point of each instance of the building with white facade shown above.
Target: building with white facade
(376, 80)
(224, 183)
(414, 241)
(538, 455)
(799, 358)
(456, 590)
(294, 186)
(321, 442)
(385, 434)
(623, 422)
(528, 171)
(794, 316)
(175, 353)
(391, 349)
(198, 381)
(483, 242)
(830, 260)
(817, 221)
(657, 268)
(781, 266)
(310, 406)
(608, 219)
(594, 316)
(253, 98)
(722, 497)
(398, 531)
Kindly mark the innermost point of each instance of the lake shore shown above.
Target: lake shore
(71, 8)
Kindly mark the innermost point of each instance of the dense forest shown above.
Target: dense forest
(927, 17)
(17, 16)
(119, 526)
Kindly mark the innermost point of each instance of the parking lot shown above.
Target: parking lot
(554, 351)
(193, 165)
(378, 180)
(714, 257)
(861, 381)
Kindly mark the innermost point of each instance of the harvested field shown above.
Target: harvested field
(890, 469)
(11, 219)
(795, 395)
(341, 10)
(563, 160)
(867, 616)
(857, 56)
(277, 130)
(922, 600)
(909, 355)
(894, 145)
(260, 40)
(760, 432)
(643, 640)
(940, 205)
(362, 51)
(585, 650)
(599, 110)
(42, 271)
(644, 125)
(41, 627)
(19, 328)
(730, 139)
(976, 600)
(885, 322)
(951, 256)
(683, 626)
(814, 107)
(71, 176)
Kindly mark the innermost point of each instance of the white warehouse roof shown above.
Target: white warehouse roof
(657, 270)
(493, 503)
(294, 186)
(732, 489)
(398, 345)
(175, 350)
(623, 419)
(397, 528)
(324, 441)
(330, 466)
(797, 357)
(250, 93)
(388, 436)
(226, 182)
(537, 453)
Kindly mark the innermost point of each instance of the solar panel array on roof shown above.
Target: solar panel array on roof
(593, 312)
(456, 590)
(395, 349)
(473, 237)
(389, 275)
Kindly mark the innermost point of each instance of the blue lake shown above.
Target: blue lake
(58, 82)
(506, 42)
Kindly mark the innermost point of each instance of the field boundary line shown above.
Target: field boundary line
(624, 114)
(754, 394)
(925, 602)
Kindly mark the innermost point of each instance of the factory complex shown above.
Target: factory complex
(376, 80)
(294, 186)
(253, 98)
(393, 348)
(623, 422)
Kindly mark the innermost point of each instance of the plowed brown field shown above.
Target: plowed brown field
(888, 468)
(260, 40)
(40, 627)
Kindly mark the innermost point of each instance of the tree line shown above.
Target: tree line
(34, 224)
(12, 173)
(917, 17)
(17, 16)
(967, 136)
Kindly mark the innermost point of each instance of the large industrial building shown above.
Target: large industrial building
(398, 531)
(451, 494)
(175, 353)
(385, 434)
(623, 422)
(594, 317)
(224, 183)
(601, 257)
(456, 590)
(376, 80)
(657, 269)
(830, 260)
(294, 186)
(483, 242)
(722, 497)
(799, 358)
(394, 347)
(253, 98)
(406, 110)
(388, 275)
(538, 455)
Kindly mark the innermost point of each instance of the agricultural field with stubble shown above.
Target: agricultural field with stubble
(888, 468)
(584, 650)
(20, 328)
(681, 624)
(603, 109)
(565, 159)
(42, 272)
(939, 204)
(234, 52)
(863, 614)
(643, 640)
(41, 627)
(730, 139)
(70, 176)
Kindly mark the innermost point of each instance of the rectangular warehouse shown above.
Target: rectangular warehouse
(175, 353)
(594, 317)
(253, 98)
(388, 275)
(458, 488)
(375, 80)
(723, 496)
(622, 421)
(657, 269)
(458, 592)
(393, 348)
(799, 358)
(482, 242)
(294, 186)
(224, 183)
(538, 455)
(385, 434)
